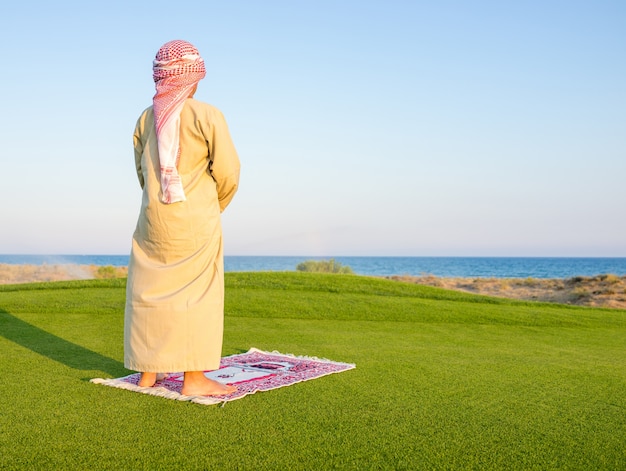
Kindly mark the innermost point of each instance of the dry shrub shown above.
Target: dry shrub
(578, 279)
(530, 282)
(610, 278)
(432, 280)
(580, 293)
(109, 271)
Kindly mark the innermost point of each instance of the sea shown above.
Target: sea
(465, 267)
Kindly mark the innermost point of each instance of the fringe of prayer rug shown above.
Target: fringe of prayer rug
(251, 372)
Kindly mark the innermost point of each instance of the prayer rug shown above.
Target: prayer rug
(251, 372)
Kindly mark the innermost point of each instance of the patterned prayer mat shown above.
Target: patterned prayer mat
(251, 372)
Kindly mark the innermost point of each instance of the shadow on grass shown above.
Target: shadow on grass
(56, 348)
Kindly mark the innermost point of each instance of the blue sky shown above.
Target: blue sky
(409, 128)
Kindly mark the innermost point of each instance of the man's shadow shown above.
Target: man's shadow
(56, 348)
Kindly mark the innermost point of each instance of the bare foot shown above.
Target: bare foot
(147, 380)
(196, 384)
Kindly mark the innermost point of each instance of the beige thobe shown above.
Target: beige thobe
(174, 312)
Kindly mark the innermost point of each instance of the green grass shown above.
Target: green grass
(444, 380)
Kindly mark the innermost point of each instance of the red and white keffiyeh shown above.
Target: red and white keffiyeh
(177, 68)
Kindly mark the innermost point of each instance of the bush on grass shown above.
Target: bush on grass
(324, 266)
(107, 272)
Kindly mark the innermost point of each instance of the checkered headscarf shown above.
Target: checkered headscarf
(177, 68)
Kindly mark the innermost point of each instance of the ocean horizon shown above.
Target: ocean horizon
(461, 267)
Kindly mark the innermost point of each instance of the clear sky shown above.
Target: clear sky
(409, 128)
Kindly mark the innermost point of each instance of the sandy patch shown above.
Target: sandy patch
(13, 274)
(597, 291)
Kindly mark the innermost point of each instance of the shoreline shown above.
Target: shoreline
(605, 291)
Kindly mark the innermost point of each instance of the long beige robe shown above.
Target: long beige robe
(174, 312)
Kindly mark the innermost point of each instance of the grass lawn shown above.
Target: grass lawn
(444, 380)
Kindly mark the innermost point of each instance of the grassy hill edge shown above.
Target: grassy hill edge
(322, 296)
